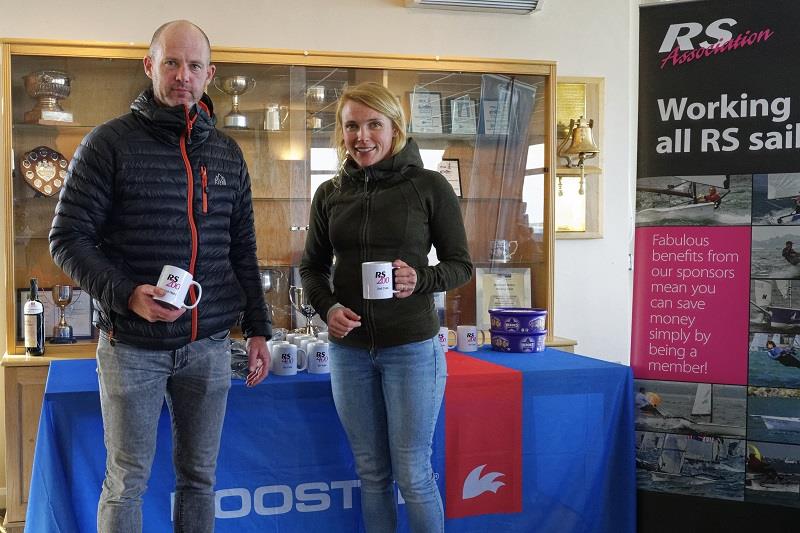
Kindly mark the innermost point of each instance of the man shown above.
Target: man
(644, 404)
(712, 197)
(790, 254)
(138, 196)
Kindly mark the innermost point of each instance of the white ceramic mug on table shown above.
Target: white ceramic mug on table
(444, 338)
(318, 358)
(468, 338)
(286, 359)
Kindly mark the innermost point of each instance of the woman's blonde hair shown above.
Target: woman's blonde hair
(379, 98)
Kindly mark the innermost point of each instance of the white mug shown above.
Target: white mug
(286, 359)
(274, 342)
(444, 339)
(318, 358)
(302, 337)
(305, 343)
(468, 338)
(377, 280)
(176, 282)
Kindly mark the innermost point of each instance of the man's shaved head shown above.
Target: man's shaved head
(155, 42)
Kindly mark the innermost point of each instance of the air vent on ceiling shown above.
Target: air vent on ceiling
(516, 7)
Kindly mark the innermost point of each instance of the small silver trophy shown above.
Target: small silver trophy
(62, 332)
(48, 86)
(234, 86)
(297, 298)
(268, 283)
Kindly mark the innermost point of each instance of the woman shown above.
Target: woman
(387, 367)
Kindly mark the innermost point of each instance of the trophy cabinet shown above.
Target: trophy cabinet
(487, 124)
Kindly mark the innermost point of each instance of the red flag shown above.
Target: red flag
(483, 437)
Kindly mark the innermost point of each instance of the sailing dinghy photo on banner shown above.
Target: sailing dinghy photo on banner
(715, 344)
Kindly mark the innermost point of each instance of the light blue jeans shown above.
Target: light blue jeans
(388, 400)
(133, 385)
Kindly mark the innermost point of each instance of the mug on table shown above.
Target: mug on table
(318, 359)
(444, 338)
(286, 359)
(467, 338)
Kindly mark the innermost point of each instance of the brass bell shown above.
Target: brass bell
(580, 142)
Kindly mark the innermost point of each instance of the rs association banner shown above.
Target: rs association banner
(718, 88)
(715, 344)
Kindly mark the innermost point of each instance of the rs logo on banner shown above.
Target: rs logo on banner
(679, 40)
(483, 436)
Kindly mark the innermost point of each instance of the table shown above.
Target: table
(525, 442)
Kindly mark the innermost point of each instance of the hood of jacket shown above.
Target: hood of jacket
(406, 158)
(169, 123)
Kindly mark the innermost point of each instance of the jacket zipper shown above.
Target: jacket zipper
(204, 180)
(185, 138)
(367, 303)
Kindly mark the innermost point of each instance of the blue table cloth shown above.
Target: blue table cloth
(285, 465)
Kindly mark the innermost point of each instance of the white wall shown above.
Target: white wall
(586, 37)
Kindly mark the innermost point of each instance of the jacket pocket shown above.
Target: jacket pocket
(220, 336)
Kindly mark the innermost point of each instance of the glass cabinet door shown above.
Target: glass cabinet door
(42, 143)
(483, 131)
(488, 132)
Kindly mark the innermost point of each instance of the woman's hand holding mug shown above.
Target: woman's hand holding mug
(405, 278)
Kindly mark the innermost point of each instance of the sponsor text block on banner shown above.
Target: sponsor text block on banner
(690, 304)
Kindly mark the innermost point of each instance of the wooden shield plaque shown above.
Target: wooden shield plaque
(44, 169)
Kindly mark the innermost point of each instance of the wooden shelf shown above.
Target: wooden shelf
(37, 128)
(576, 171)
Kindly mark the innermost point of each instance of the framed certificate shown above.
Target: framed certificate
(449, 169)
(426, 112)
(78, 313)
(462, 115)
(500, 287)
(495, 117)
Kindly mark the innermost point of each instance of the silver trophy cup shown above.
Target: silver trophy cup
(48, 87)
(62, 332)
(234, 86)
(297, 298)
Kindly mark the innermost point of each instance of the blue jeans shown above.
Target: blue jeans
(133, 385)
(388, 400)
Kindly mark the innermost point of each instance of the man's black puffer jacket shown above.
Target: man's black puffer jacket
(161, 186)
